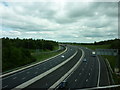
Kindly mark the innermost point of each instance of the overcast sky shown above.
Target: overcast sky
(60, 21)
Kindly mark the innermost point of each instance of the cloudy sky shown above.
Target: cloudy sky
(60, 20)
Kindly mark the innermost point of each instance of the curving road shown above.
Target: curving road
(20, 77)
(90, 73)
(51, 78)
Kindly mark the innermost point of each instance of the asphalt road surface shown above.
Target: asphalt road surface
(51, 78)
(92, 72)
(20, 77)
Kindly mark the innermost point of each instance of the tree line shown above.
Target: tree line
(16, 52)
(114, 43)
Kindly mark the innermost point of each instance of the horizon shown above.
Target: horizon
(58, 41)
(60, 21)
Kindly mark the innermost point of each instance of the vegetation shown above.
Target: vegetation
(108, 44)
(17, 52)
(97, 46)
(43, 55)
(113, 44)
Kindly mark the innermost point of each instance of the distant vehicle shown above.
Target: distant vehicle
(63, 84)
(84, 60)
(62, 56)
(93, 54)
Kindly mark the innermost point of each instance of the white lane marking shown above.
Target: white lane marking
(23, 78)
(110, 69)
(75, 80)
(37, 68)
(89, 74)
(14, 77)
(10, 76)
(79, 74)
(86, 80)
(29, 67)
(98, 73)
(25, 70)
(68, 73)
(27, 83)
(5, 86)
(108, 77)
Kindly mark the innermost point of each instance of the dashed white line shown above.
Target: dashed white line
(75, 80)
(89, 74)
(79, 74)
(83, 69)
(98, 73)
(14, 77)
(37, 68)
(5, 86)
(25, 84)
(86, 80)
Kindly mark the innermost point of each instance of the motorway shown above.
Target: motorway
(91, 73)
(18, 78)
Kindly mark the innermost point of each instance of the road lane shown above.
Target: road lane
(104, 77)
(51, 78)
(11, 83)
(92, 73)
(85, 73)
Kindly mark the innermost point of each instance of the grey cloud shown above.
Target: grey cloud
(73, 21)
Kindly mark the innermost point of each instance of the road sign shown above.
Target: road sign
(112, 52)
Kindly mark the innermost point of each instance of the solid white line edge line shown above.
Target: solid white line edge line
(98, 73)
(31, 65)
(109, 66)
(67, 74)
(27, 83)
(102, 87)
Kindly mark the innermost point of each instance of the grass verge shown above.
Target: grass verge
(93, 47)
(42, 56)
(39, 57)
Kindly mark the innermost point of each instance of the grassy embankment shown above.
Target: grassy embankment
(111, 59)
(40, 56)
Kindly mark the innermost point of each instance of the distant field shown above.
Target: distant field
(40, 56)
(97, 46)
(111, 59)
